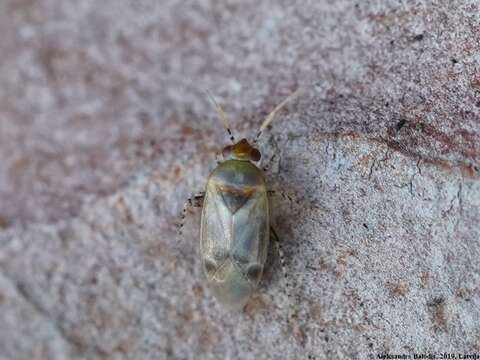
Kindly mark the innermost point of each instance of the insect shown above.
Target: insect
(235, 221)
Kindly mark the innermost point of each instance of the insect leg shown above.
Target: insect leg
(193, 201)
(279, 247)
(283, 194)
(292, 317)
(266, 167)
(281, 253)
(301, 201)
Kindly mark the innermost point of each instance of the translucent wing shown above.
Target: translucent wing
(216, 228)
(235, 222)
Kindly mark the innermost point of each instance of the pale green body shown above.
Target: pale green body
(234, 231)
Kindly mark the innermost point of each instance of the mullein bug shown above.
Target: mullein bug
(235, 222)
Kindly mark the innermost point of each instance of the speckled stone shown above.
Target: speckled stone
(105, 130)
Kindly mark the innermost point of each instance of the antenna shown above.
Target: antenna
(221, 114)
(270, 116)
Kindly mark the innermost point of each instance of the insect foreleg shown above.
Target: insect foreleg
(268, 163)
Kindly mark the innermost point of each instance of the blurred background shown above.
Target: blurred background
(105, 130)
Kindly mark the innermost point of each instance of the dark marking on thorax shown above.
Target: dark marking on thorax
(235, 197)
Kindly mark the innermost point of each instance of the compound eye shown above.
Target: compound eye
(210, 267)
(227, 151)
(255, 155)
(254, 272)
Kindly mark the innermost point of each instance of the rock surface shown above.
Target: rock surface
(105, 130)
